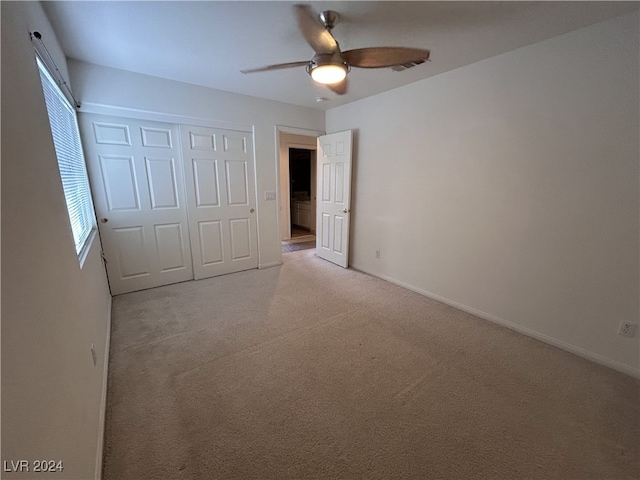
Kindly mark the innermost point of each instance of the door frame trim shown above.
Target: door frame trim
(280, 129)
(150, 115)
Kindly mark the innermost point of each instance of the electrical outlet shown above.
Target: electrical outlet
(377, 253)
(627, 329)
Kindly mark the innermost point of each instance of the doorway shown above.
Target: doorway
(300, 181)
(297, 188)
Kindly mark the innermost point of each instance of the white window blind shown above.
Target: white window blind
(66, 138)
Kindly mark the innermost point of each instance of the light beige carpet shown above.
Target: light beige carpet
(309, 371)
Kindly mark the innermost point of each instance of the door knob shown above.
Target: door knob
(251, 211)
(104, 220)
(345, 211)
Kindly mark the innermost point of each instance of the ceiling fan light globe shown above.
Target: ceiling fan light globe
(329, 74)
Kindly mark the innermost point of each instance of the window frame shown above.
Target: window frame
(71, 163)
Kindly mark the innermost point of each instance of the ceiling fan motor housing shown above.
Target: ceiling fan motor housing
(329, 19)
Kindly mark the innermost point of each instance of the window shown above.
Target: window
(66, 138)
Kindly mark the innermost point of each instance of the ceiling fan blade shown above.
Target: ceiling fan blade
(278, 66)
(339, 88)
(314, 32)
(380, 57)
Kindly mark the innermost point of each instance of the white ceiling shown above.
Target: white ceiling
(208, 43)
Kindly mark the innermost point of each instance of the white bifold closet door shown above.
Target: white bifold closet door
(167, 208)
(221, 200)
(136, 174)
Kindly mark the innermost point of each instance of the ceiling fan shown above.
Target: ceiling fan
(330, 66)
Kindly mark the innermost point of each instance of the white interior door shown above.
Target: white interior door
(135, 170)
(220, 185)
(333, 197)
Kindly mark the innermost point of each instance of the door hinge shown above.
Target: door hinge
(104, 259)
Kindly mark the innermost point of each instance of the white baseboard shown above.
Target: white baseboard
(594, 357)
(103, 400)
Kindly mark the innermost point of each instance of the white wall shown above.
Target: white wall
(102, 88)
(510, 188)
(52, 311)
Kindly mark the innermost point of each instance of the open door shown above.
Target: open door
(334, 197)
